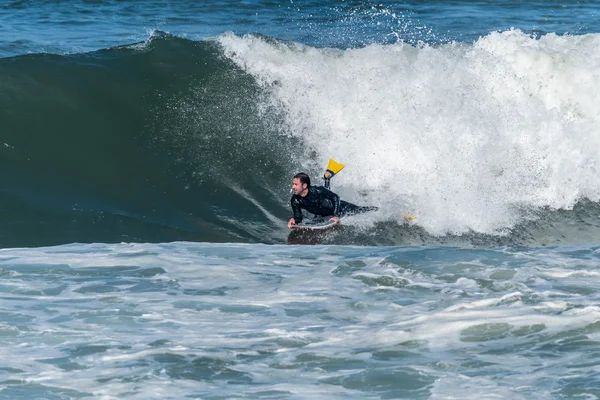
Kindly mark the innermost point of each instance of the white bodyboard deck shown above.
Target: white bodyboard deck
(314, 225)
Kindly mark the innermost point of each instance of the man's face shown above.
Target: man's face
(297, 186)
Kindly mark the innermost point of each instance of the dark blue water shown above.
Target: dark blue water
(79, 26)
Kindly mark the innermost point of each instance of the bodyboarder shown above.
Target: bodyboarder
(319, 200)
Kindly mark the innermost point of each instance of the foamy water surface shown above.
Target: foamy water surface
(253, 321)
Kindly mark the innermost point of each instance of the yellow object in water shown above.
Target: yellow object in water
(408, 217)
(334, 167)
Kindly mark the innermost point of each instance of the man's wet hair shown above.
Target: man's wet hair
(303, 178)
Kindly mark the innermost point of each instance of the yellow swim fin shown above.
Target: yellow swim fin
(334, 167)
(408, 217)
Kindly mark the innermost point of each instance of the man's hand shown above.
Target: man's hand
(336, 220)
(291, 222)
(327, 175)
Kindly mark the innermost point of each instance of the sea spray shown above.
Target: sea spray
(471, 136)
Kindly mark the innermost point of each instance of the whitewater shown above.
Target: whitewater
(466, 137)
(192, 320)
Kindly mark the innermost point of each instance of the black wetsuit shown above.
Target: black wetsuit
(323, 202)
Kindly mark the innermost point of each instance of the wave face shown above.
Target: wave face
(173, 139)
(155, 142)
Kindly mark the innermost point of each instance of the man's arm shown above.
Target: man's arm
(334, 199)
(297, 211)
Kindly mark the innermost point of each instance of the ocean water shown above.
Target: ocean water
(216, 321)
(146, 151)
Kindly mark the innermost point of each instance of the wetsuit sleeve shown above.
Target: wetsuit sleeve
(327, 183)
(335, 201)
(296, 209)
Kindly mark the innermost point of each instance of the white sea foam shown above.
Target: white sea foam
(313, 322)
(466, 136)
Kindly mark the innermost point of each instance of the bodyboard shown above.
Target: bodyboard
(314, 225)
